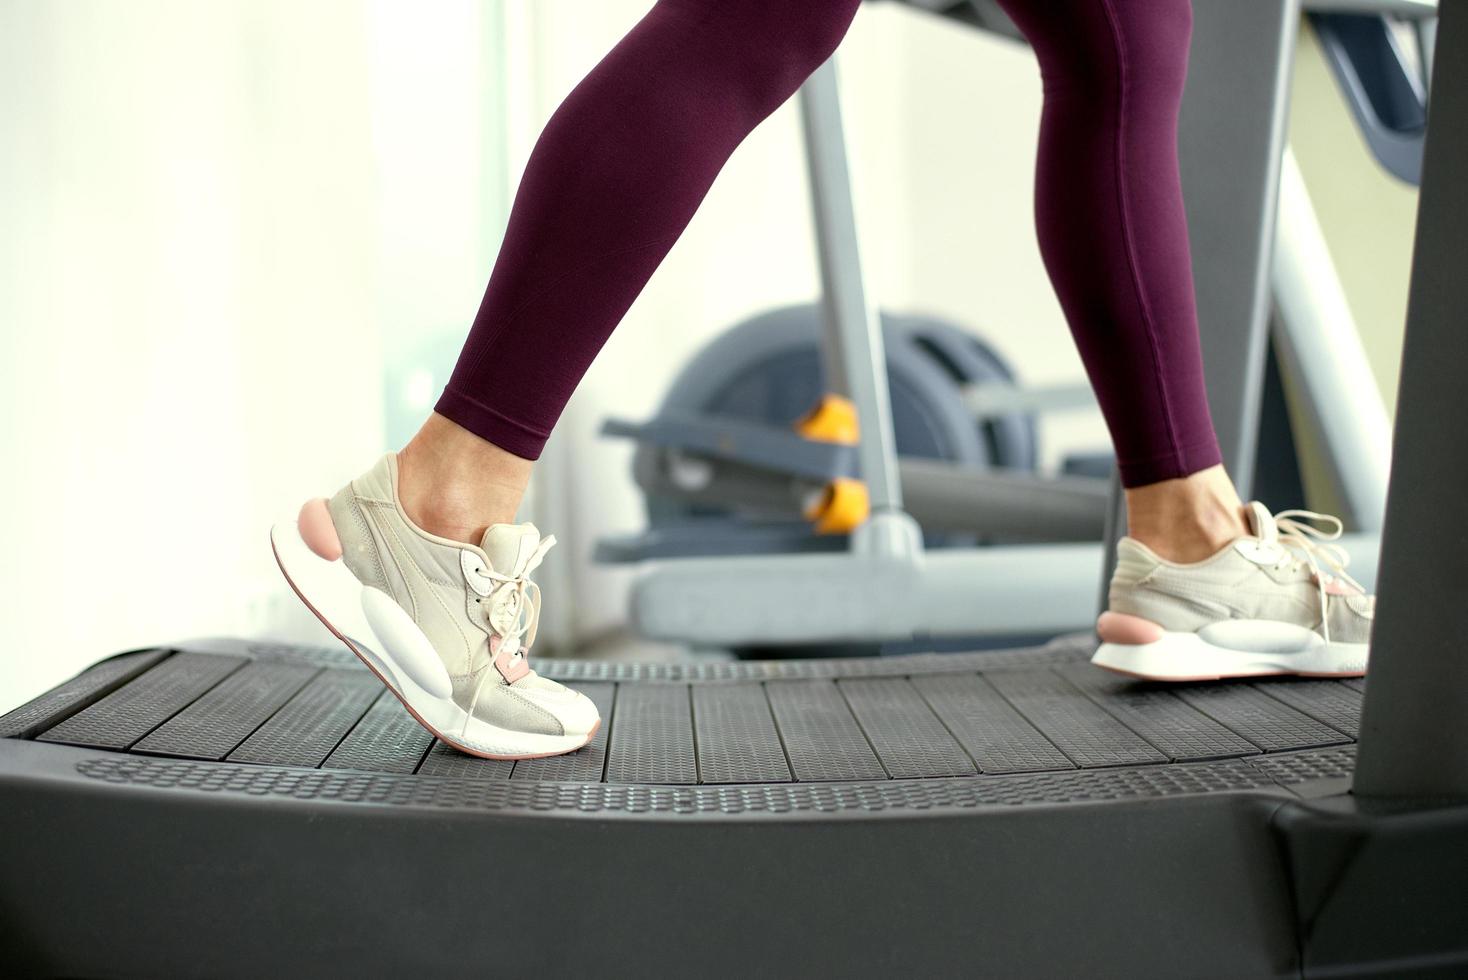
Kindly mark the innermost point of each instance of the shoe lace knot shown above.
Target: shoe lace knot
(1298, 531)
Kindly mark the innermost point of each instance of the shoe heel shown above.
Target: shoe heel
(1127, 630)
(318, 530)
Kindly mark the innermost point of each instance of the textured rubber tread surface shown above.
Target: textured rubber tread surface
(586, 764)
(445, 760)
(88, 687)
(998, 738)
(737, 739)
(1062, 650)
(1179, 730)
(652, 739)
(229, 712)
(309, 727)
(864, 799)
(1270, 724)
(1293, 768)
(386, 739)
(1329, 701)
(822, 738)
(123, 717)
(1037, 713)
(910, 740)
(1077, 726)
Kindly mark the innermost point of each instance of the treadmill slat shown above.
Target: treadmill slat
(585, 765)
(132, 711)
(821, 736)
(1154, 713)
(737, 740)
(304, 732)
(1075, 724)
(652, 741)
(227, 714)
(996, 736)
(1269, 724)
(86, 688)
(1328, 701)
(908, 737)
(445, 760)
(387, 739)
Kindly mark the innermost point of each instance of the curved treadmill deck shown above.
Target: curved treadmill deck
(226, 807)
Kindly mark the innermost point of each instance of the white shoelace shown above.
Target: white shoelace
(513, 612)
(1296, 530)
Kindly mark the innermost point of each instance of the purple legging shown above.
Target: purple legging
(628, 157)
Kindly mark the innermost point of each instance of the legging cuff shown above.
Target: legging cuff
(1184, 461)
(513, 437)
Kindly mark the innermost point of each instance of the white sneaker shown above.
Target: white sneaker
(445, 625)
(1263, 605)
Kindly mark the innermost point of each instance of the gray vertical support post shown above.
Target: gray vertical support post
(1414, 730)
(1231, 144)
(855, 356)
(1231, 140)
(1115, 529)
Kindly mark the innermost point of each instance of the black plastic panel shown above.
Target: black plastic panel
(857, 798)
(1080, 729)
(737, 740)
(652, 740)
(1152, 711)
(132, 711)
(88, 687)
(908, 737)
(822, 739)
(212, 726)
(1268, 723)
(1335, 704)
(998, 738)
(387, 739)
(308, 728)
(445, 760)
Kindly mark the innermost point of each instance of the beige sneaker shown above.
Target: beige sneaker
(1276, 602)
(445, 625)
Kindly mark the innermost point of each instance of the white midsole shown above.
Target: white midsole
(396, 653)
(1241, 648)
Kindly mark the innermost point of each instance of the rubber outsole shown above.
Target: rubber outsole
(366, 660)
(1187, 658)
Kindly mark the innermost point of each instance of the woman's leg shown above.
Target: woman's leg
(613, 181)
(1188, 599)
(1113, 233)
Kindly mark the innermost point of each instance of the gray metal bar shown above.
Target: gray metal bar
(1237, 116)
(1116, 527)
(855, 357)
(1014, 506)
(1414, 730)
(1320, 354)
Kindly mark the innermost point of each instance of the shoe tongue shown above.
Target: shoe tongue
(509, 546)
(1261, 521)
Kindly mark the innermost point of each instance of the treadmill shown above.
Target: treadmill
(227, 808)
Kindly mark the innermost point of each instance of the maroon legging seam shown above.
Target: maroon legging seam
(1124, 207)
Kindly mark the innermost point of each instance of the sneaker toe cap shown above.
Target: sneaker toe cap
(575, 711)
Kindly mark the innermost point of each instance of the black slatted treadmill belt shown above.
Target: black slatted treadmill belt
(821, 722)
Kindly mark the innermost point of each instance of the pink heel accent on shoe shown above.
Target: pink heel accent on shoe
(318, 531)
(1127, 629)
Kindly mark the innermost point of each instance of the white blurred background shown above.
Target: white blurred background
(242, 242)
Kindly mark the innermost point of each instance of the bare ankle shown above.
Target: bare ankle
(1187, 519)
(454, 484)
